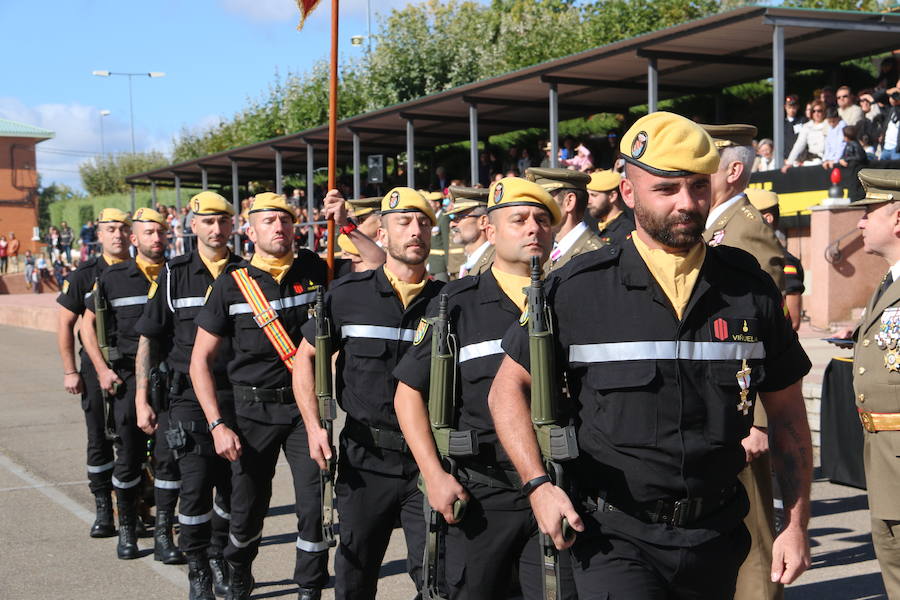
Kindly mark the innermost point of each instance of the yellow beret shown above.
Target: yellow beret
(148, 215)
(515, 191)
(557, 179)
(347, 245)
(604, 181)
(463, 205)
(434, 196)
(458, 192)
(270, 201)
(210, 203)
(404, 199)
(762, 199)
(113, 215)
(726, 136)
(882, 185)
(669, 145)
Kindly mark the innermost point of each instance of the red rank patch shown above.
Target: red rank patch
(298, 288)
(720, 329)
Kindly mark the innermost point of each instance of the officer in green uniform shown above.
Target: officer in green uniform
(468, 228)
(733, 221)
(438, 265)
(606, 212)
(876, 371)
(664, 368)
(367, 214)
(573, 236)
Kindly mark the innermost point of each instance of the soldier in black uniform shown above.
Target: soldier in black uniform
(498, 535)
(126, 286)
(663, 369)
(373, 315)
(113, 229)
(606, 211)
(259, 370)
(183, 287)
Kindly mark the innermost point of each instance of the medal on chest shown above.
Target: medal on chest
(888, 337)
(743, 379)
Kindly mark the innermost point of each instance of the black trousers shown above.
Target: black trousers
(99, 449)
(251, 490)
(204, 519)
(613, 566)
(130, 443)
(167, 475)
(494, 552)
(369, 504)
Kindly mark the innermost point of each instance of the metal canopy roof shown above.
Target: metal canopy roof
(700, 56)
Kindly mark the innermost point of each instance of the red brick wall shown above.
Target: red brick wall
(18, 190)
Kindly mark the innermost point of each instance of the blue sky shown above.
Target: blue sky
(216, 54)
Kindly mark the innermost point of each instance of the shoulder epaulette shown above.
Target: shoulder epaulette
(352, 277)
(180, 260)
(120, 266)
(588, 260)
(735, 257)
(229, 267)
(460, 285)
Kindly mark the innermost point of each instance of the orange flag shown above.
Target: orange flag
(306, 7)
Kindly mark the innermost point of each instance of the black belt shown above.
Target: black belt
(671, 511)
(244, 393)
(490, 476)
(373, 437)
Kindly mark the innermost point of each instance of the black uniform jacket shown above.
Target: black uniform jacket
(480, 313)
(620, 229)
(183, 287)
(371, 331)
(125, 288)
(254, 362)
(656, 399)
(79, 283)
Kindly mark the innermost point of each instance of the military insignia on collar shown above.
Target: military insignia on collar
(523, 319)
(395, 200)
(639, 145)
(717, 238)
(65, 289)
(498, 193)
(153, 287)
(420, 332)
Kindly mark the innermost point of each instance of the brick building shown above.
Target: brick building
(19, 180)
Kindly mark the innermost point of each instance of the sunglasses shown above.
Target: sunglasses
(815, 110)
(863, 100)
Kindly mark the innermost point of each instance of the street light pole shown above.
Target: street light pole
(151, 74)
(103, 113)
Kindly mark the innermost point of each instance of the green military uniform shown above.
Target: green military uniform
(580, 239)
(363, 207)
(876, 382)
(465, 199)
(742, 226)
(438, 259)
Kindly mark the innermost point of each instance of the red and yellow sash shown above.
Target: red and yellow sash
(266, 317)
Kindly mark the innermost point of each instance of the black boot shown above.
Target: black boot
(104, 524)
(200, 577)
(306, 593)
(164, 548)
(219, 569)
(127, 548)
(240, 582)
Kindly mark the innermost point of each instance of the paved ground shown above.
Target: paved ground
(46, 508)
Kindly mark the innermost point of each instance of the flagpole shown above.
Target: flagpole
(332, 127)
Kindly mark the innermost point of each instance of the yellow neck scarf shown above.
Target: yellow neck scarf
(112, 260)
(276, 267)
(513, 286)
(150, 270)
(406, 291)
(215, 267)
(676, 274)
(604, 224)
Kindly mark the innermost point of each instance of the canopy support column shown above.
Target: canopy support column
(554, 126)
(652, 85)
(204, 179)
(410, 154)
(778, 93)
(178, 194)
(279, 183)
(236, 204)
(473, 143)
(310, 195)
(357, 184)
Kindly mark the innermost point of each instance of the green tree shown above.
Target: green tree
(47, 195)
(106, 174)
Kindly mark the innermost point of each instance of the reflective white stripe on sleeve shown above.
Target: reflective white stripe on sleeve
(194, 520)
(188, 302)
(128, 301)
(124, 485)
(166, 484)
(100, 468)
(88, 295)
(667, 350)
(239, 544)
(308, 546)
(221, 512)
(242, 308)
(379, 332)
(480, 350)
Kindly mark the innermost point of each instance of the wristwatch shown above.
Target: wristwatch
(215, 424)
(533, 484)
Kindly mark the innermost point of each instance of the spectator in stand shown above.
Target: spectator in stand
(484, 168)
(581, 161)
(873, 123)
(59, 272)
(4, 254)
(29, 269)
(88, 237)
(512, 160)
(12, 251)
(512, 173)
(53, 241)
(41, 270)
(850, 112)
(609, 151)
(524, 161)
(810, 144)
(888, 74)
(545, 161)
(440, 180)
(568, 148)
(66, 237)
(853, 159)
(890, 149)
(793, 121)
(827, 96)
(186, 229)
(834, 138)
(765, 161)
